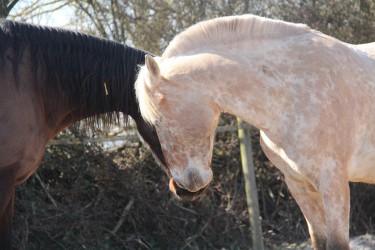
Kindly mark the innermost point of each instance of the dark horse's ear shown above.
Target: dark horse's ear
(153, 69)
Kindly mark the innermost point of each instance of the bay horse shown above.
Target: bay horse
(50, 79)
(310, 95)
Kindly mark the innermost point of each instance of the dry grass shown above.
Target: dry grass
(120, 200)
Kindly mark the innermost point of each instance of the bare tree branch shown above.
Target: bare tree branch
(30, 14)
(11, 4)
(95, 20)
(39, 8)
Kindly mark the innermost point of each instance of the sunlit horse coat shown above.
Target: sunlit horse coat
(312, 97)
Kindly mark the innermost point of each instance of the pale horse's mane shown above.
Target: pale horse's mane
(221, 30)
(207, 34)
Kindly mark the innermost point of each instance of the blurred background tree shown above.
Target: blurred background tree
(151, 25)
(92, 194)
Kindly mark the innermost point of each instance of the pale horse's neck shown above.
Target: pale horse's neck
(262, 81)
(250, 85)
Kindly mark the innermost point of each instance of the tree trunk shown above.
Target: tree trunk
(6, 7)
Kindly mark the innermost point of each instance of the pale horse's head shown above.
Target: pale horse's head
(185, 119)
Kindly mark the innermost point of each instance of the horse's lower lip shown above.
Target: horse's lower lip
(184, 194)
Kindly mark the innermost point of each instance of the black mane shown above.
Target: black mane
(74, 67)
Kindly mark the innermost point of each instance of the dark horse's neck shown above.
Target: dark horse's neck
(77, 76)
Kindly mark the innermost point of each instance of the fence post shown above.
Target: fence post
(250, 185)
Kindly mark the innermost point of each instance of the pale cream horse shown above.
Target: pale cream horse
(311, 96)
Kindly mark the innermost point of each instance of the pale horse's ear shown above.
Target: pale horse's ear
(153, 69)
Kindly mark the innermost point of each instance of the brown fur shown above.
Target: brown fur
(50, 79)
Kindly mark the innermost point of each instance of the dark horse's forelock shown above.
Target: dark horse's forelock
(69, 67)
